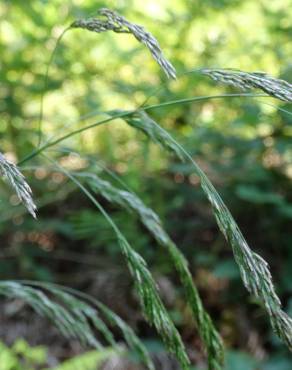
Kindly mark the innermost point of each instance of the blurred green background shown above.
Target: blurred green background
(243, 144)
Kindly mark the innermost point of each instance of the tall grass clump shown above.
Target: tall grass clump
(77, 315)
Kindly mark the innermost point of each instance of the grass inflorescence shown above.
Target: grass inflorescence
(112, 21)
(75, 314)
(274, 87)
(254, 269)
(17, 180)
(131, 202)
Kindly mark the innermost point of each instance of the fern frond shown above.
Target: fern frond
(16, 179)
(119, 24)
(151, 221)
(274, 87)
(254, 269)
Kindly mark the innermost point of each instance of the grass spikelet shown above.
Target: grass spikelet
(77, 307)
(16, 179)
(274, 87)
(112, 318)
(70, 320)
(130, 337)
(254, 269)
(129, 201)
(112, 21)
(152, 305)
(143, 122)
(83, 311)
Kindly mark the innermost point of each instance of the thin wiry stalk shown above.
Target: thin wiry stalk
(122, 114)
(152, 305)
(131, 202)
(41, 113)
(112, 21)
(253, 268)
(277, 88)
(16, 179)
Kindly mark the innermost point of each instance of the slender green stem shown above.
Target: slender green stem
(199, 98)
(41, 114)
(153, 307)
(70, 134)
(129, 113)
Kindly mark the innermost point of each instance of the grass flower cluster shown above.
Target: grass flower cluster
(119, 24)
(16, 179)
(274, 87)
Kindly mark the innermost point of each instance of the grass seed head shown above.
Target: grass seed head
(277, 88)
(16, 179)
(112, 21)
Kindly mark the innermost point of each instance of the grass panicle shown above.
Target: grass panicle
(131, 202)
(75, 314)
(274, 87)
(112, 21)
(16, 179)
(152, 305)
(254, 269)
(142, 121)
(67, 295)
(70, 320)
(129, 335)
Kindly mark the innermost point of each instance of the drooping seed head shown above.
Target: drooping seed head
(277, 88)
(117, 23)
(16, 179)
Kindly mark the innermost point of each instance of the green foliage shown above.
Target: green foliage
(91, 360)
(243, 146)
(21, 356)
